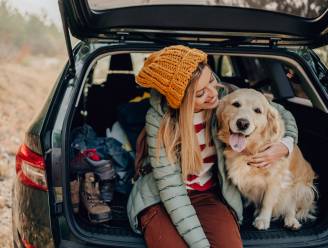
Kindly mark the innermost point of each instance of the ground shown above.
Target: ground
(24, 86)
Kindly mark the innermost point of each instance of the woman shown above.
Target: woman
(187, 201)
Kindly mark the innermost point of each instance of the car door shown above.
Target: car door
(102, 19)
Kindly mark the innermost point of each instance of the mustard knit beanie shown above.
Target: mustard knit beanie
(169, 71)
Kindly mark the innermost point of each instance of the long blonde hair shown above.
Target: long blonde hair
(177, 133)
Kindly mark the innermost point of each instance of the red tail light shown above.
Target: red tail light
(30, 168)
(27, 244)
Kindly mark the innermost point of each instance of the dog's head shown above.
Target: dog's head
(247, 120)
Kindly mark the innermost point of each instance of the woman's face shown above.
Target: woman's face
(206, 96)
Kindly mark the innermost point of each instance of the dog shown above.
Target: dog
(247, 123)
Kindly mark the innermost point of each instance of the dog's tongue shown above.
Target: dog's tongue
(237, 142)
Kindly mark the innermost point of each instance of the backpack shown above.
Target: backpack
(142, 164)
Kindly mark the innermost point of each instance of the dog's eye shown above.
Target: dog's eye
(258, 111)
(236, 104)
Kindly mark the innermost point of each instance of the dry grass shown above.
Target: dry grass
(4, 170)
(23, 89)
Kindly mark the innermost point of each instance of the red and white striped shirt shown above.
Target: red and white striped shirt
(204, 180)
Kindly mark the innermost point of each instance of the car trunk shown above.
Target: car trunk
(97, 20)
(155, 24)
(313, 140)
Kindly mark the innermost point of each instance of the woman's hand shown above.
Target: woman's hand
(270, 154)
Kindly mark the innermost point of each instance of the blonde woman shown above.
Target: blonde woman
(187, 201)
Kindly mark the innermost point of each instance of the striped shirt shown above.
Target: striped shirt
(204, 180)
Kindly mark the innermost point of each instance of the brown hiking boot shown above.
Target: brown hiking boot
(98, 211)
(75, 197)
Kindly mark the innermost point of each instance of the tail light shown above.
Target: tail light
(27, 244)
(30, 168)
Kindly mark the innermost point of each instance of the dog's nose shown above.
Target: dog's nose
(242, 124)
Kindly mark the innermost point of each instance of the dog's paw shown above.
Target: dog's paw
(292, 223)
(256, 212)
(261, 223)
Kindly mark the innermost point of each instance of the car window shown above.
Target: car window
(301, 97)
(138, 60)
(101, 68)
(226, 69)
(310, 9)
(295, 82)
(256, 72)
(320, 59)
(263, 80)
(322, 52)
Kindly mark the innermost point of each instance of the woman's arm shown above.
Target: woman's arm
(275, 151)
(173, 192)
(291, 129)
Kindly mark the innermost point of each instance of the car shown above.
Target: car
(251, 48)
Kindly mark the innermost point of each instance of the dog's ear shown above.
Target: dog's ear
(223, 127)
(274, 126)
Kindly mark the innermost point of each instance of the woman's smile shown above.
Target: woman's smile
(206, 91)
(213, 100)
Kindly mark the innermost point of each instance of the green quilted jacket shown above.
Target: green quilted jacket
(165, 184)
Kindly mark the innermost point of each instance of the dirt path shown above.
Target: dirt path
(23, 89)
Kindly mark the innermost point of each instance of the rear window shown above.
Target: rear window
(303, 8)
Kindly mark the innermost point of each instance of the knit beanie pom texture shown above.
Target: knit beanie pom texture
(169, 71)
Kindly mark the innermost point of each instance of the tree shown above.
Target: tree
(31, 33)
(304, 8)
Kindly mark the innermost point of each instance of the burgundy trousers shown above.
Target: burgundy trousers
(219, 224)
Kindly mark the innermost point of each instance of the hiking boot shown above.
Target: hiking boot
(98, 210)
(75, 197)
(107, 190)
(105, 174)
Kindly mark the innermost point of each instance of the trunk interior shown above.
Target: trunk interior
(111, 84)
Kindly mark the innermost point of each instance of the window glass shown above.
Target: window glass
(101, 68)
(322, 52)
(295, 82)
(226, 69)
(308, 8)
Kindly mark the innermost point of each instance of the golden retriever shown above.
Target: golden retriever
(247, 123)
